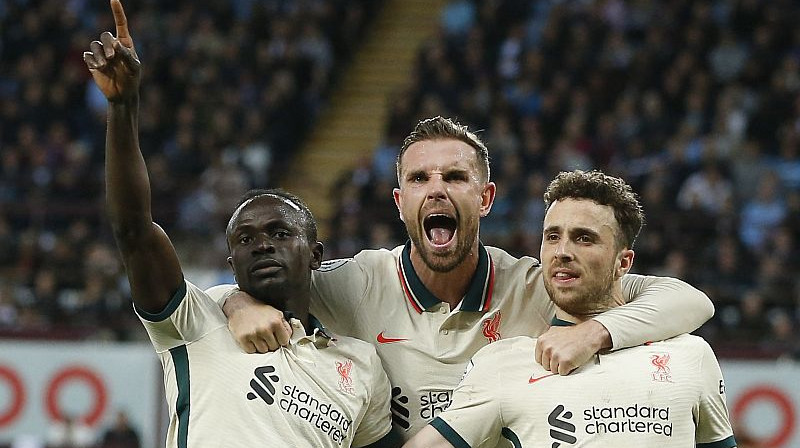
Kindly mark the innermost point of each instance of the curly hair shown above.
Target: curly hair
(604, 190)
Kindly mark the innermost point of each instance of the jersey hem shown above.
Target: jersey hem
(728, 442)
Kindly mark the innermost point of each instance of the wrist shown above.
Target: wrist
(230, 306)
(599, 336)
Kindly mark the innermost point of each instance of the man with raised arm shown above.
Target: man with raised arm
(428, 306)
(664, 394)
(318, 390)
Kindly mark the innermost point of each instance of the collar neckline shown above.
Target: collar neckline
(556, 322)
(479, 292)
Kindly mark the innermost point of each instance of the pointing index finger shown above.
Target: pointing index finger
(122, 23)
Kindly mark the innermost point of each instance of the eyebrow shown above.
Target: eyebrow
(572, 231)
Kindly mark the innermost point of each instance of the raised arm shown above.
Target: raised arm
(150, 260)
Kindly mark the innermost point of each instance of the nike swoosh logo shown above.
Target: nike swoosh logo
(533, 380)
(384, 340)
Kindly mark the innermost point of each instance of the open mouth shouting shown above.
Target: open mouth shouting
(440, 229)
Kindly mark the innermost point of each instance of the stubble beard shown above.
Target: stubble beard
(441, 263)
(589, 300)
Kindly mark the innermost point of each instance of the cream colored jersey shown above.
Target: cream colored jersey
(665, 394)
(317, 392)
(425, 345)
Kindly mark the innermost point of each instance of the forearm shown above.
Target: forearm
(127, 182)
(151, 263)
(661, 308)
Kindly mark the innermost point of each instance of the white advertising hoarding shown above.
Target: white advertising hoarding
(764, 400)
(41, 380)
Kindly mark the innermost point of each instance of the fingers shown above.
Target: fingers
(121, 23)
(263, 345)
(248, 347)
(545, 360)
(88, 58)
(108, 44)
(539, 354)
(284, 336)
(96, 58)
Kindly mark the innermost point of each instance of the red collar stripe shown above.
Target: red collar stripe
(404, 283)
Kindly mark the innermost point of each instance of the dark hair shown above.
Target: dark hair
(439, 128)
(604, 190)
(309, 223)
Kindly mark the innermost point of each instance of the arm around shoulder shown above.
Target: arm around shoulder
(658, 308)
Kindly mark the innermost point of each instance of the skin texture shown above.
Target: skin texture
(441, 177)
(271, 256)
(581, 260)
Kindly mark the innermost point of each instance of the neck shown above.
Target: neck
(297, 304)
(450, 286)
(613, 300)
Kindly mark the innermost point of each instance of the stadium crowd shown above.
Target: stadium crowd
(695, 103)
(230, 87)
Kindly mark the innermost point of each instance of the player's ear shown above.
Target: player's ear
(230, 263)
(624, 262)
(316, 255)
(487, 198)
(398, 202)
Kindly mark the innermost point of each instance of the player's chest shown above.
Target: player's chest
(648, 397)
(295, 383)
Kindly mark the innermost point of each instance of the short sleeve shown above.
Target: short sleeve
(713, 423)
(188, 316)
(337, 289)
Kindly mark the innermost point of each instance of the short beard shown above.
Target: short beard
(595, 300)
(441, 264)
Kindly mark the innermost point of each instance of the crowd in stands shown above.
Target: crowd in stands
(229, 89)
(695, 103)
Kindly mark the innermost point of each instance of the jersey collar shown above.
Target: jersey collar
(315, 333)
(556, 322)
(479, 293)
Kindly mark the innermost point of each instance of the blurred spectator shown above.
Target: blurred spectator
(120, 434)
(707, 190)
(69, 432)
(763, 213)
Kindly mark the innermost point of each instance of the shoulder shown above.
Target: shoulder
(504, 260)
(366, 260)
(693, 349)
(687, 341)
